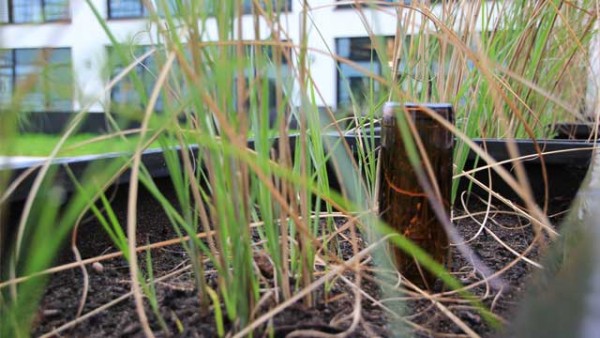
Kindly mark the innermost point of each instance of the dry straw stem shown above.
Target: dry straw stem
(17, 182)
(350, 264)
(86, 278)
(230, 132)
(521, 188)
(486, 278)
(52, 156)
(196, 193)
(337, 270)
(495, 275)
(103, 137)
(240, 143)
(14, 185)
(416, 295)
(466, 329)
(504, 200)
(105, 257)
(356, 318)
(497, 239)
(37, 184)
(108, 305)
(133, 196)
(484, 66)
(380, 303)
(523, 158)
(486, 213)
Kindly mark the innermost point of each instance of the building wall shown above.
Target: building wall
(87, 40)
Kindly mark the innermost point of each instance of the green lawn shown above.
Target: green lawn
(37, 144)
(77, 145)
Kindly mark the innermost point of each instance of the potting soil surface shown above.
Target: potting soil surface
(182, 315)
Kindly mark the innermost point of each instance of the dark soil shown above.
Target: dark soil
(514, 232)
(183, 316)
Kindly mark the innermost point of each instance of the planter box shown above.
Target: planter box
(566, 163)
(566, 170)
(574, 131)
(153, 159)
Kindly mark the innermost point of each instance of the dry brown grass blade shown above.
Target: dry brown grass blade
(86, 278)
(482, 64)
(56, 332)
(133, 200)
(48, 161)
(461, 324)
(105, 257)
(470, 172)
(308, 289)
(14, 185)
(501, 242)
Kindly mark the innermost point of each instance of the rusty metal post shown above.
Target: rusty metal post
(403, 203)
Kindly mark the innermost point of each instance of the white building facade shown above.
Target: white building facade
(77, 39)
(78, 44)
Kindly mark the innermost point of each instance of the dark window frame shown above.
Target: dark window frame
(286, 7)
(367, 4)
(43, 10)
(145, 68)
(373, 58)
(15, 65)
(404, 70)
(269, 49)
(141, 14)
(110, 15)
(143, 71)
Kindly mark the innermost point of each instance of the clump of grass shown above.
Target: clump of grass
(219, 91)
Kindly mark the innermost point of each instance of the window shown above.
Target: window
(418, 60)
(375, 3)
(269, 51)
(131, 93)
(123, 9)
(126, 93)
(271, 68)
(354, 85)
(136, 9)
(367, 3)
(32, 11)
(278, 5)
(40, 78)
